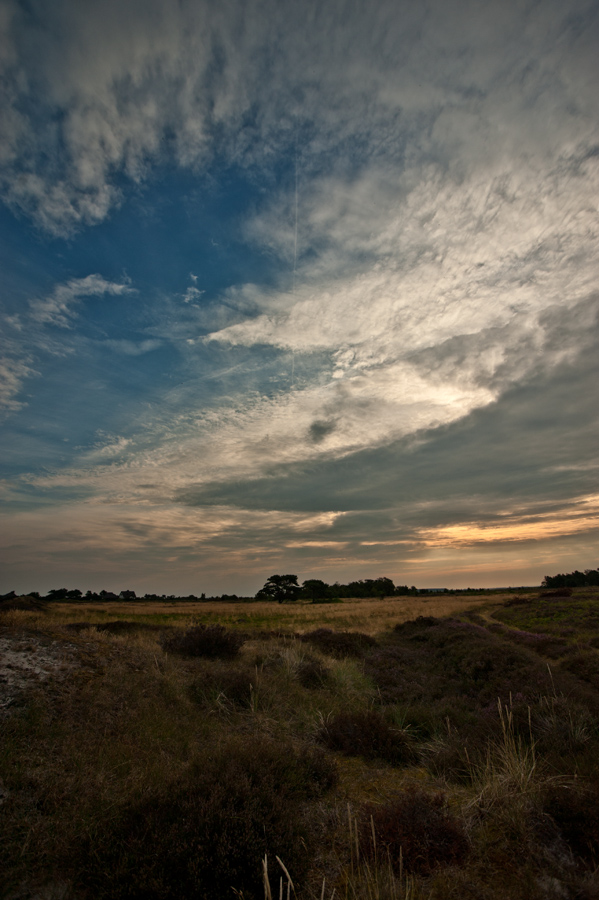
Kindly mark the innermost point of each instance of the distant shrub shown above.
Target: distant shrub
(416, 624)
(29, 602)
(339, 643)
(559, 592)
(517, 601)
(366, 734)
(415, 829)
(213, 641)
(207, 833)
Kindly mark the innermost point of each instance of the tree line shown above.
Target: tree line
(280, 588)
(588, 578)
(286, 588)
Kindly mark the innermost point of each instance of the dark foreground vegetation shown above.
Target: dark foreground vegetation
(452, 757)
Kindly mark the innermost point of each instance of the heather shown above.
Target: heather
(450, 752)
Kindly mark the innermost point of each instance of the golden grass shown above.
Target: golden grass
(369, 616)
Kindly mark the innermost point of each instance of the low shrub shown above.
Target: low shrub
(416, 831)
(212, 641)
(367, 734)
(547, 645)
(208, 832)
(429, 660)
(235, 686)
(414, 625)
(575, 811)
(317, 769)
(585, 665)
(339, 643)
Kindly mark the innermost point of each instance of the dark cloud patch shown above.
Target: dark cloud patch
(535, 446)
(320, 429)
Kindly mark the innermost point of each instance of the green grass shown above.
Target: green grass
(574, 618)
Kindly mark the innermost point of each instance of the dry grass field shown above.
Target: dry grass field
(370, 616)
(421, 748)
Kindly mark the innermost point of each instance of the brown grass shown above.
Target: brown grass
(97, 757)
(369, 616)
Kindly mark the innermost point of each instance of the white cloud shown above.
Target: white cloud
(12, 374)
(192, 293)
(110, 448)
(133, 348)
(29, 337)
(97, 91)
(478, 262)
(58, 307)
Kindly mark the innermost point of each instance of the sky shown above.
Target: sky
(298, 287)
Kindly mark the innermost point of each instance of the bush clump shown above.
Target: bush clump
(575, 811)
(224, 683)
(415, 829)
(311, 673)
(585, 665)
(445, 659)
(366, 733)
(212, 641)
(208, 832)
(340, 644)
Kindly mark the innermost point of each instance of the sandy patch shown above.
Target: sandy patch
(27, 660)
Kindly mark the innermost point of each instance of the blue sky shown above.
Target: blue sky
(297, 287)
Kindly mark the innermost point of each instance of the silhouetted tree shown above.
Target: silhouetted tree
(282, 588)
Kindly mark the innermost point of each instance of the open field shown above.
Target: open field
(422, 748)
(370, 616)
